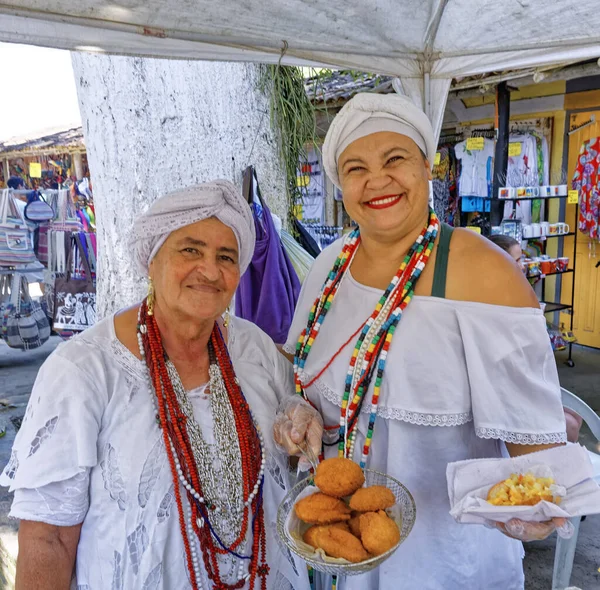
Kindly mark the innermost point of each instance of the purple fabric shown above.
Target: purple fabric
(269, 289)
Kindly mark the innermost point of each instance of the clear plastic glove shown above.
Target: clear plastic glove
(298, 423)
(535, 531)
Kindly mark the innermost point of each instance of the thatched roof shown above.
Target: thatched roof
(49, 142)
(341, 86)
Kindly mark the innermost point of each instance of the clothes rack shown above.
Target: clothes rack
(324, 235)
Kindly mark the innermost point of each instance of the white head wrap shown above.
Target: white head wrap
(369, 113)
(219, 198)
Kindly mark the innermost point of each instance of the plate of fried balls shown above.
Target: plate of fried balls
(344, 520)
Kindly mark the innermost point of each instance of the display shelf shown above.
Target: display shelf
(551, 274)
(541, 238)
(552, 306)
(530, 198)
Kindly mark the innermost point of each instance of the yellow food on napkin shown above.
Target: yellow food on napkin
(522, 490)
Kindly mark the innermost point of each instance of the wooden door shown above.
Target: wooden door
(586, 318)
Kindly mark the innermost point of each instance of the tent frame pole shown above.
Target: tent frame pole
(502, 125)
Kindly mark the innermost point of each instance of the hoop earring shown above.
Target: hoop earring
(150, 298)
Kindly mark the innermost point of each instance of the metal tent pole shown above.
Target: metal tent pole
(501, 154)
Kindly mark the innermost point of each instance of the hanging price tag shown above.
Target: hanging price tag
(35, 170)
(302, 181)
(573, 197)
(514, 149)
(475, 144)
(437, 159)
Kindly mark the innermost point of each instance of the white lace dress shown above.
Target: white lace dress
(460, 378)
(90, 451)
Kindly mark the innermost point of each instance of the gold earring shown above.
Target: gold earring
(227, 318)
(150, 297)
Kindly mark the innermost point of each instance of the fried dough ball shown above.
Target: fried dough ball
(339, 477)
(372, 499)
(354, 523)
(339, 543)
(310, 536)
(319, 508)
(379, 533)
(522, 490)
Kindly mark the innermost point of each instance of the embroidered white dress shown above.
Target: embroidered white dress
(460, 378)
(90, 450)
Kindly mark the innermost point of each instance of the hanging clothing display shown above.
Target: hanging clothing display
(586, 180)
(475, 175)
(476, 169)
(324, 235)
(312, 181)
(306, 240)
(299, 257)
(269, 289)
(530, 167)
(445, 197)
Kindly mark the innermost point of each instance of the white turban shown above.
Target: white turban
(369, 113)
(219, 199)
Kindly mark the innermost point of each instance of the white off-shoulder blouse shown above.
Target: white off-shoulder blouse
(460, 379)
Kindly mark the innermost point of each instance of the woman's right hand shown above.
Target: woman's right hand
(297, 422)
(535, 531)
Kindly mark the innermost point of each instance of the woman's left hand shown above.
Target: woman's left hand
(523, 530)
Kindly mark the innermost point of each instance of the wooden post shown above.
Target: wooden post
(78, 165)
(6, 170)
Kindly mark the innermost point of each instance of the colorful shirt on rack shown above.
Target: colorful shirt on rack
(585, 180)
(476, 169)
(445, 199)
(523, 169)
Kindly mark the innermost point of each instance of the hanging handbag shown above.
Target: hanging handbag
(74, 299)
(66, 216)
(5, 306)
(25, 325)
(37, 210)
(16, 244)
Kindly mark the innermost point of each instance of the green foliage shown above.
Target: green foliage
(293, 116)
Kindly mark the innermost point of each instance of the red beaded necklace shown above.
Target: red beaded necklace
(173, 422)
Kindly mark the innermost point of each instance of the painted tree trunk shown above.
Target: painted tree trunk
(152, 126)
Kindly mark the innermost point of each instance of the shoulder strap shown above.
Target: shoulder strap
(441, 262)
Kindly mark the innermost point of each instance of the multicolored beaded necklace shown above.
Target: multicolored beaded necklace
(370, 351)
(200, 521)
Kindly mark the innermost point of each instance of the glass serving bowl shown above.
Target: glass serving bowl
(405, 509)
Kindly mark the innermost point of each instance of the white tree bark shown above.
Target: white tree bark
(152, 126)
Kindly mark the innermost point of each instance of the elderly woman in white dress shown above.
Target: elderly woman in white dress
(141, 460)
(420, 346)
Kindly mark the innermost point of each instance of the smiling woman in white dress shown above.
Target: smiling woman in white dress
(421, 346)
(141, 459)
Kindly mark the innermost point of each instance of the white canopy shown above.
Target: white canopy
(425, 43)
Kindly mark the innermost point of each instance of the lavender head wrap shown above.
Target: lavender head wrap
(219, 198)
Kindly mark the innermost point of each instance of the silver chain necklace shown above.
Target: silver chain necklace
(219, 466)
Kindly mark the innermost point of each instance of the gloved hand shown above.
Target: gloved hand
(296, 423)
(523, 530)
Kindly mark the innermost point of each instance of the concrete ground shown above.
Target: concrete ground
(17, 375)
(584, 381)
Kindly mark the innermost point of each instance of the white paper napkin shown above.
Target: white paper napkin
(470, 481)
